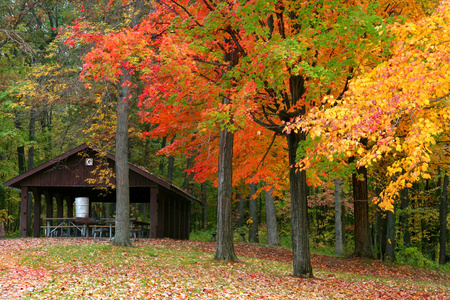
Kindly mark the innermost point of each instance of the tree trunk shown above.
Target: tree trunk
(30, 162)
(299, 212)
(204, 205)
(225, 246)
(20, 149)
(171, 166)
(253, 208)
(390, 236)
(404, 198)
(378, 240)
(338, 246)
(343, 217)
(46, 125)
(240, 210)
(32, 138)
(162, 158)
(188, 177)
(443, 222)
(363, 245)
(2, 230)
(273, 238)
(122, 235)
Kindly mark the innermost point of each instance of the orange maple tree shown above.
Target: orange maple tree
(210, 67)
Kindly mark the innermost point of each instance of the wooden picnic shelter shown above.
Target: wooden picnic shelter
(87, 171)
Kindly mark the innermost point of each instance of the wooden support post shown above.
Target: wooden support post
(37, 213)
(153, 212)
(23, 211)
(69, 201)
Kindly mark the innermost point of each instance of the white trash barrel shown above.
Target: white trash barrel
(82, 207)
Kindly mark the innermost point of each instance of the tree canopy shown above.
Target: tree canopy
(400, 108)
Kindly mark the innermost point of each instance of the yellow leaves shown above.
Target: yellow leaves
(426, 176)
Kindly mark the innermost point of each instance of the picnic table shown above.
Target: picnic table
(143, 228)
(104, 230)
(64, 227)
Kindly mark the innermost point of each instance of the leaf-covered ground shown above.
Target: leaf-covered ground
(168, 269)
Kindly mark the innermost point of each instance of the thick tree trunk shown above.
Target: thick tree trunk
(363, 245)
(404, 198)
(253, 209)
(338, 246)
(225, 246)
(122, 235)
(273, 238)
(390, 236)
(443, 222)
(299, 212)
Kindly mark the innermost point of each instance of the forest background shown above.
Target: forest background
(55, 94)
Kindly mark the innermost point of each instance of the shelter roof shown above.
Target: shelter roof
(72, 169)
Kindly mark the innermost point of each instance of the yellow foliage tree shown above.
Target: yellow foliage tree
(399, 109)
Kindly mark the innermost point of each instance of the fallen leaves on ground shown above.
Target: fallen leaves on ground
(167, 269)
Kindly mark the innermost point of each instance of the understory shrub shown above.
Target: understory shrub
(413, 257)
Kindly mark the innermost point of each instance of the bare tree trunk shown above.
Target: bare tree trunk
(273, 238)
(299, 212)
(122, 235)
(225, 246)
(253, 208)
(338, 247)
(363, 245)
(390, 236)
(443, 222)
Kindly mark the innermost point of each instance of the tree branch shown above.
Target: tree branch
(268, 149)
